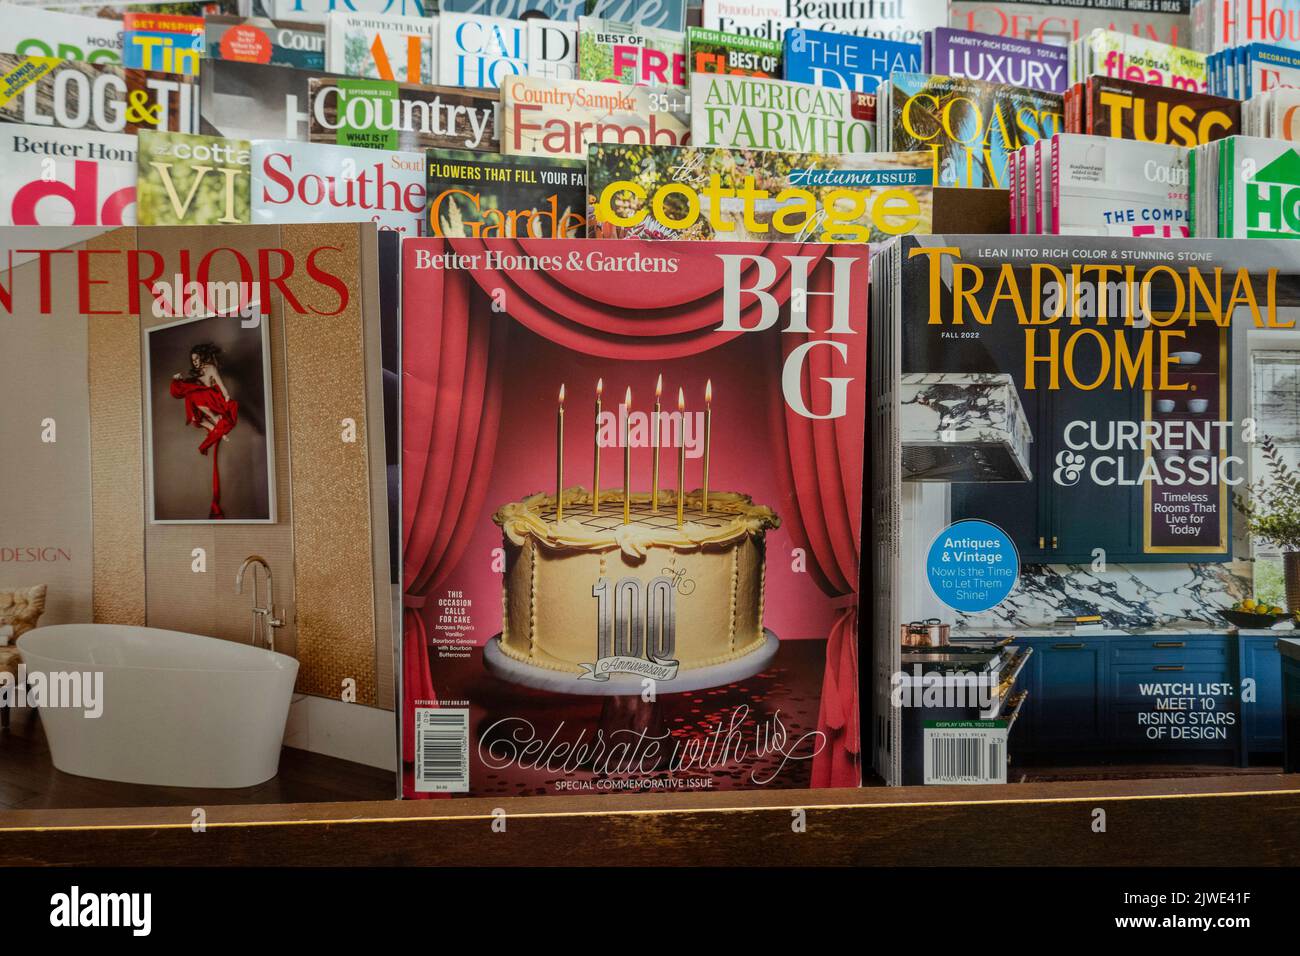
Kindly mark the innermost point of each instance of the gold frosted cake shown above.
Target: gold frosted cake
(592, 596)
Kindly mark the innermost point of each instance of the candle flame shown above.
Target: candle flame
(659, 385)
(600, 386)
(681, 400)
(708, 391)
(561, 394)
(627, 398)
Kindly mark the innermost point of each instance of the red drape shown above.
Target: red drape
(454, 334)
(451, 401)
(822, 474)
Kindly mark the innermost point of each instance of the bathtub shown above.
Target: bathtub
(179, 710)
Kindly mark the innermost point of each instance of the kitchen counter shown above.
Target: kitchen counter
(1181, 630)
(1290, 647)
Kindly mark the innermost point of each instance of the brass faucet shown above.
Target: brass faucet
(265, 620)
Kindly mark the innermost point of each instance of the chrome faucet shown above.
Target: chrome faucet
(265, 621)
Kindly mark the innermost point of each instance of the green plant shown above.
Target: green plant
(1272, 504)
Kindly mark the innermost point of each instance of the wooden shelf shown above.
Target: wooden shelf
(1222, 821)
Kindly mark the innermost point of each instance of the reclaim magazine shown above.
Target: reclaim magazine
(1081, 439)
(630, 527)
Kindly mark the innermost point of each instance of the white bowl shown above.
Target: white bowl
(1197, 405)
(1186, 358)
(1164, 405)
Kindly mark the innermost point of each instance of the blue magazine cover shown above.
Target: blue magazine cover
(844, 61)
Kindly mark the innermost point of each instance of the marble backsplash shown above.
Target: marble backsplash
(1149, 595)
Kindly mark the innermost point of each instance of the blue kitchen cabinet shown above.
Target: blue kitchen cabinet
(1261, 720)
(1085, 694)
(1066, 707)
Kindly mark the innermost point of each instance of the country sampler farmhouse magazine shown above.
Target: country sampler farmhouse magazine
(648, 433)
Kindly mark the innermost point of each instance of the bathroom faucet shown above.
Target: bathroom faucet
(264, 620)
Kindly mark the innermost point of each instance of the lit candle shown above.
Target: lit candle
(627, 458)
(654, 486)
(708, 432)
(559, 459)
(595, 480)
(681, 457)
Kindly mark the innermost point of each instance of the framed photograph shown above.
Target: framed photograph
(209, 420)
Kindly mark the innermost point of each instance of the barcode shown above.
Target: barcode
(441, 750)
(964, 759)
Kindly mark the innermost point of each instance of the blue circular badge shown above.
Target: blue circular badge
(972, 566)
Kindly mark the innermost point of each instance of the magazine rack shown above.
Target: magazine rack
(1210, 821)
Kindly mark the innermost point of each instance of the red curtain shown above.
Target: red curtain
(451, 405)
(822, 474)
(454, 334)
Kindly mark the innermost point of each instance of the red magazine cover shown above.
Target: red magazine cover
(690, 625)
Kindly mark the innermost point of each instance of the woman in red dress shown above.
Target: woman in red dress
(208, 405)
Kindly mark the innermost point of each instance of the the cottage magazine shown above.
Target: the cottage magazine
(1091, 445)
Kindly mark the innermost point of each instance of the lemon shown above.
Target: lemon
(1249, 604)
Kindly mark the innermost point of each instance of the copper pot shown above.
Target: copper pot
(931, 632)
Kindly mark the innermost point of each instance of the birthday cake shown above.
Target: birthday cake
(599, 593)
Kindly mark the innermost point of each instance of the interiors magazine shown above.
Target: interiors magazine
(1082, 523)
(645, 577)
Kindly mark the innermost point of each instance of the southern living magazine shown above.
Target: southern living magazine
(614, 52)
(316, 182)
(747, 112)
(559, 118)
(710, 51)
(90, 183)
(241, 100)
(1045, 21)
(106, 97)
(846, 62)
(967, 126)
(186, 180)
(1103, 186)
(900, 20)
(664, 14)
(34, 32)
(1083, 482)
(379, 114)
(490, 196)
(981, 56)
(645, 578)
(755, 195)
(1156, 114)
(299, 45)
(381, 47)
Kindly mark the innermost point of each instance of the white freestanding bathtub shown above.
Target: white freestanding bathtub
(179, 710)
